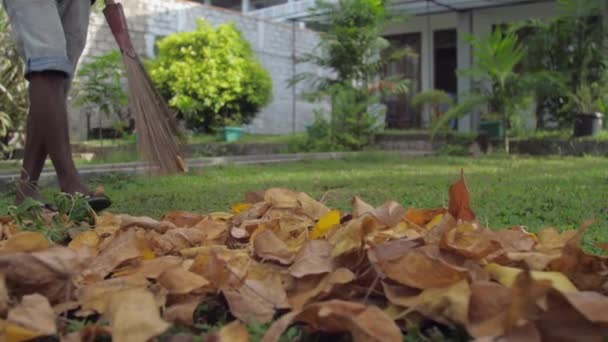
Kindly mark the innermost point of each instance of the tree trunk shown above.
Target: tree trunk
(505, 123)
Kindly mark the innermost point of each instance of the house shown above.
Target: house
(278, 34)
(435, 32)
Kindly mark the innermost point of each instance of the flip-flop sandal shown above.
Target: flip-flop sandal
(98, 202)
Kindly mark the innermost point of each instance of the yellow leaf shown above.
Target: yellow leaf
(220, 216)
(507, 276)
(435, 221)
(147, 253)
(326, 222)
(26, 242)
(10, 332)
(85, 239)
(240, 207)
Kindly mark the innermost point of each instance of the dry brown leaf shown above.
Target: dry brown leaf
(177, 280)
(389, 214)
(47, 272)
(470, 242)
(360, 208)
(181, 313)
(150, 269)
(134, 315)
(221, 266)
(4, 296)
(25, 242)
(445, 304)
(215, 231)
(34, 313)
(563, 321)
(448, 304)
(182, 219)
(365, 323)
(268, 246)
(314, 258)
(175, 240)
(422, 217)
(350, 238)
(534, 261)
(259, 296)
(94, 297)
(460, 202)
(526, 293)
(318, 287)
(123, 248)
(232, 332)
(515, 239)
(282, 198)
(311, 207)
(488, 308)
(550, 239)
(436, 233)
(422, 267)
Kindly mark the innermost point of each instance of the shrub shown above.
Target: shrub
(354, 52)
(353, 119)
(211, 77)
(13, 88)
(99, 85)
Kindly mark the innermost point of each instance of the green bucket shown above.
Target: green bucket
(493, 129)
(232, 134)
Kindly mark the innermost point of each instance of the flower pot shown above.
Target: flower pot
(232, 134)
(493, 129)
(588, 124)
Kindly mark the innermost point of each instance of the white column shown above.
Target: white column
(245, 5)
(465, 27)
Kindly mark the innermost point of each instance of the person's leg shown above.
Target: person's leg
(38, 31)
(49, 121)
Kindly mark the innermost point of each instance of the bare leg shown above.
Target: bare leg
(48, 131)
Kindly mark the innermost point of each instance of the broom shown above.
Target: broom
(154, 123)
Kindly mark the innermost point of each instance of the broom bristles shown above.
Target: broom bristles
(156, 126)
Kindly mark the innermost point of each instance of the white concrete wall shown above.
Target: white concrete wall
(272, 42)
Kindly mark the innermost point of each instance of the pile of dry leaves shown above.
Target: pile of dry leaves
(286, 258)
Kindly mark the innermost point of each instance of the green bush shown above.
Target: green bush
(351, 123)
(211, 77)
(14, 101)
(99, 85)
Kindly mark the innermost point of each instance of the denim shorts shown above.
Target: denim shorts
(50, 34)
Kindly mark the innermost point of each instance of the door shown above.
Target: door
(399, 112)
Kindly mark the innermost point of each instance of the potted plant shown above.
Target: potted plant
(587, 107)
(232, 128)
(492, 125)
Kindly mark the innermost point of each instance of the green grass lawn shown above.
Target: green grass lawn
(505, 191)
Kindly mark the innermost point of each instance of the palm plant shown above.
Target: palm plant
(499, 87)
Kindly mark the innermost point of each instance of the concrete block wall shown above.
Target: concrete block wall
(273, 43)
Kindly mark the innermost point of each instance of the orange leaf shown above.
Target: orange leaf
(460, 202)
